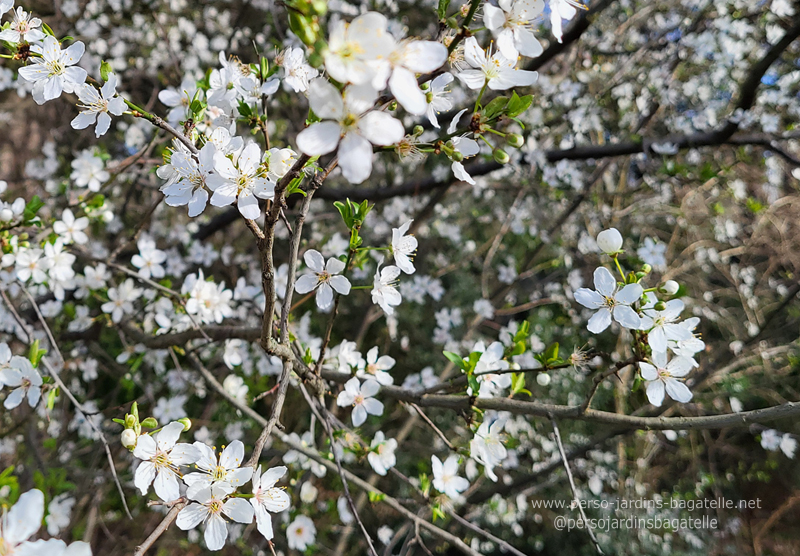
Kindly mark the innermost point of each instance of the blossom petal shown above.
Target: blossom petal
(320, 138)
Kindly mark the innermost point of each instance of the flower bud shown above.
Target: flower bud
(456, 156)
(670, 287)
(418, 129)
(130, 421)
(186, 422)
(646, 268)
(515, 140)
(150, 423)
(128, 438)
(500, 156)
(660, 306)
(610, 241)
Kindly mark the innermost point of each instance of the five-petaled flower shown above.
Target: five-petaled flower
(162, 456)
(662, 375)
(268, 498)
(97, 105)
(360, 396)
(209, 505)
(608, 300)
(55, 71)
(226, 471)
(325, 278)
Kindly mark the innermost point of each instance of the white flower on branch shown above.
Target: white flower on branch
(189, 185)
(301, 533)
(360, 396)
(162, 456)
(97, 105)
(349, 124)
(662, 375)
(354, 48)
(55, 71)
(381, 456)
(209, 507)
(446, 479)
(225, 471)
(325, 278)
(608, 300)
(24, 380)
(24, 28)
(267, 498)
(384, 292)
(492, 70)
(512, 25)
(436, 96)
(240, 180)
(403, 248)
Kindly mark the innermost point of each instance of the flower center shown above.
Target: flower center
(161, 459)
(359, 400)
(215, 506)
(349, 122)
(219, 473)
(56, 68)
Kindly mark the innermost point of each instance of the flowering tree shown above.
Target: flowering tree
(300, 277)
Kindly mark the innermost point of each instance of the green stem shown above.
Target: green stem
(619, 268)
(480, 95)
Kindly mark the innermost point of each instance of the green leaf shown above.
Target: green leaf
(455, 358)
(51, 399)
(517, 105)
(517, 382)
(441, 9)
(495, 108)
(32, 208)
(552, 352)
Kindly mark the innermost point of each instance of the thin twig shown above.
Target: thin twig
(436, 429)
(57, 379)
(162, 527)
(572, 485)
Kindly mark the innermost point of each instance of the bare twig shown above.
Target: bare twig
(572, 485)
(162, 527)
(57, 379)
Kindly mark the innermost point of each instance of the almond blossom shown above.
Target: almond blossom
(349, 124)
(437, 98)
(24, 28)
(267, 498)
(376, 367)
(296, 72)
(610, 300)
(325, 278)
(384, 292)
(486, 447)
(209, 505)
(301, 533)
(240, 180)
(446, 479)
(55, 72)
(493, 70)
(381, 456)
(225, 471)
(512, 25)
(70, 228)
(353, 48)
(162, 455)
(662, 325)
(25, 381)
(403, 247)
(97, 105)
(190, 174)
(360, 396)
(662, 375)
